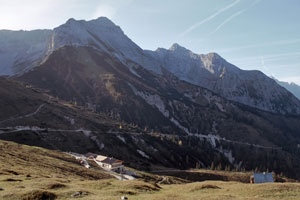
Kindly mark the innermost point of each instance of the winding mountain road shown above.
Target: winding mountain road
(25, 116)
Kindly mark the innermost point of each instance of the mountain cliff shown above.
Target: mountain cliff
(211, 71)
(22, 50)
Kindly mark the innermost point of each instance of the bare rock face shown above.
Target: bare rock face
(292, 87)
(211, 71)
(103, 35)
(22, 50)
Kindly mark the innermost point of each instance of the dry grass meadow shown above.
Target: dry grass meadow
(32, 173)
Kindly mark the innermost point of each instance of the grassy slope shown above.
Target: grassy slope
(204, 174)
(25, 169)
(226, 190)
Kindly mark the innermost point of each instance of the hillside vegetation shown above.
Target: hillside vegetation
(29, 173)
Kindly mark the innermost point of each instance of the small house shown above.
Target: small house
(91, 156)
(110, 164)
(262, 178)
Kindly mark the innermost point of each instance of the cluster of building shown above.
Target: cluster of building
(107, 163)
(115, 165)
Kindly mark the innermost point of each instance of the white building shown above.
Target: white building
(107, 163)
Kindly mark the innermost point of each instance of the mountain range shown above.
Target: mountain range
(292, 87)
(85, 86)
(25, 50)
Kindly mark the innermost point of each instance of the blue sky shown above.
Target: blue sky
(252, 34)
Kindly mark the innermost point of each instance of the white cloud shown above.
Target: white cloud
(267, 70)
(34, 14)
(270, 57)
(109, 8)
(104, 10)
(228, 20)
(16, 14)
(234, 16)
(196, 25)
(268, 44)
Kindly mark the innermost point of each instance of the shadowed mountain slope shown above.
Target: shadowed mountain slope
(162, 104)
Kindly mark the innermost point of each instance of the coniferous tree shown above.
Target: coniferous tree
(219, 166)
(212, 166)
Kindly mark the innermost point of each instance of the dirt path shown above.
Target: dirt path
(25, 116)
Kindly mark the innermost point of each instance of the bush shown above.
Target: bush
(39, 195)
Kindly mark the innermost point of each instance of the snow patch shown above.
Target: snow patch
(99, 144)
(91, 107)
(136, 140)
(71, 120)
(153, 100)
(214, 127)
(210, 138)
(132, 68)
(180, 126)
(153, 149)
(213, 139)
(220, 107)
(227, 154)
(121, 138)
(87, 133)
(143, 154)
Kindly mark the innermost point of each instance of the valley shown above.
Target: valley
(189, 125)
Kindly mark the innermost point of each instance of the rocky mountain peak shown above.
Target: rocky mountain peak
(104, 21)
(179, 50)
(177, 47)
(214, 56)
(71, 20)
(87, 33)
(101, 23)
